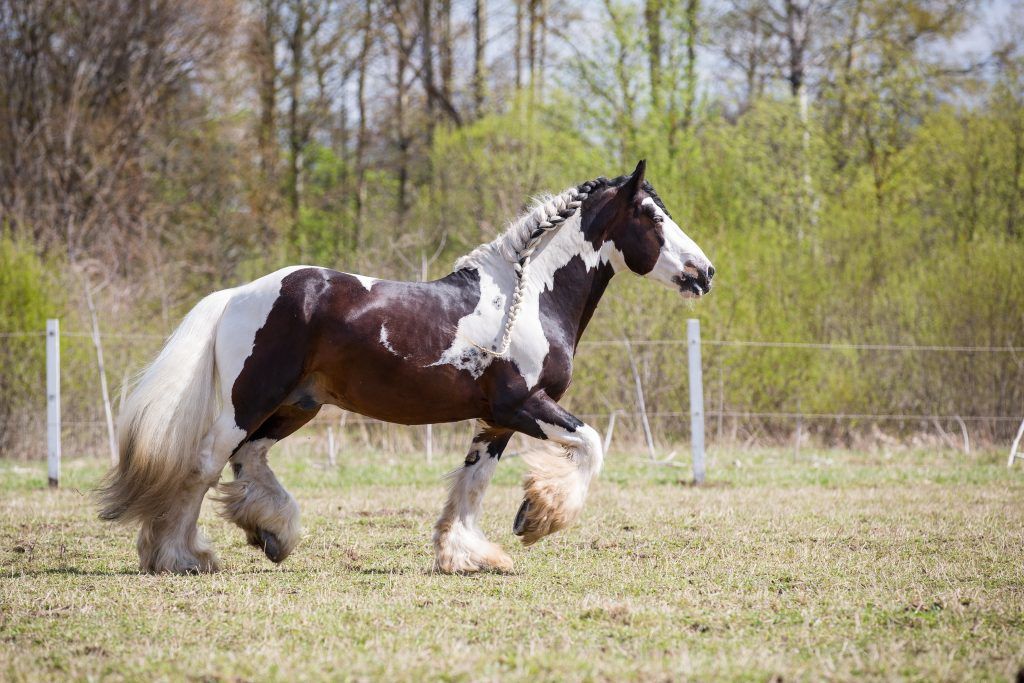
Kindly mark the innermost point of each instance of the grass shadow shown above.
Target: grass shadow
(72, 571)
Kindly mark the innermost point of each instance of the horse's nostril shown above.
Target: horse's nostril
(711, 272)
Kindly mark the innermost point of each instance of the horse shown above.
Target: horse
(493, 341)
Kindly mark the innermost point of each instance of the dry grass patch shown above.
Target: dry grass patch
(837, 566)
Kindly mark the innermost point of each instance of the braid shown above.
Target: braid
(556, 211)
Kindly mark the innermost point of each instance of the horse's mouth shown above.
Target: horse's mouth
(692, 285)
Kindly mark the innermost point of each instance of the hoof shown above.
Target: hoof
(489, 558)
(200, 563)
(462, 551)
(519, 524)
(553, 495)
(545, 510)
(271, 547)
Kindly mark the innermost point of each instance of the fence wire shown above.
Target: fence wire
(747, 399)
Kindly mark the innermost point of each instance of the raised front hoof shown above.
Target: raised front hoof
(540, 515)
(269, 544)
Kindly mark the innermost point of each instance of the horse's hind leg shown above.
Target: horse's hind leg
(459, 543)
(171, 541)
(258, 504)
(255, 500)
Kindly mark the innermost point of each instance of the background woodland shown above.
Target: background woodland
(854, 168)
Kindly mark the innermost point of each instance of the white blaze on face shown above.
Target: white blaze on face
(679, 254)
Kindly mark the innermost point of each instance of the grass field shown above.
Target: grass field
(836, 565)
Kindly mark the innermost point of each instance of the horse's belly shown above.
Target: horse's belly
(404, 392)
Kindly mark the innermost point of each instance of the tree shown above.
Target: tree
(479, 55)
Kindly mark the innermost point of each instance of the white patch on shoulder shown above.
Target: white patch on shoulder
(529, 346)
(479, 328)
(385, 342)
(366, 280)
(486, 324)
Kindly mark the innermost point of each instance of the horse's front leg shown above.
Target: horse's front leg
(459, 543)
(559, 477)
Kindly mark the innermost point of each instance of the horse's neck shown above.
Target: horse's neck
(569, 276)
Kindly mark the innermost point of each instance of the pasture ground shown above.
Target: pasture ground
(833, 565)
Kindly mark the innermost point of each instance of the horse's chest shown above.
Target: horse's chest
(553, 370)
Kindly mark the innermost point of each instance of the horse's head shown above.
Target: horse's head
(634, 219)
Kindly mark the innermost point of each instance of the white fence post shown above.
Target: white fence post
(53, 401)
(430, 444)
(696, 399)
(1016, 442)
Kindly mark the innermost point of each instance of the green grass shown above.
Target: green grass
(833, 565)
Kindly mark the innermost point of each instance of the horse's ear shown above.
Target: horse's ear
(636, 181)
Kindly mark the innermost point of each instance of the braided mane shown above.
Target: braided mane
(522, 238)
(524, 234)
(513, 241)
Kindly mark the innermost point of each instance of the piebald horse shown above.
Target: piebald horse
(493, 341)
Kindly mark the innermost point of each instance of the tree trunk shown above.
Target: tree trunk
(1016, 188)
(479, 56)
(264, 41)
(542, 28)
(444, 50)
(797, 30)
(427, 43)
(692, 11)
(401, 94)
(846, 81)
(652, 20)
(97, 342)
(532, 47)
(519, 44)
(297, 45)
(797, 33)
(362, 134)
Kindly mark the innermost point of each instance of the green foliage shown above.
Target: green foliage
(324, 232)
(486, 172)
(28, 296)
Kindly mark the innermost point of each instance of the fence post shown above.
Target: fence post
(330, 447)
(696, 399)
(1016, 442)
(53, 401)
(430, 444)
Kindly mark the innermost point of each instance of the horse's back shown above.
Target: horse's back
(371, 346)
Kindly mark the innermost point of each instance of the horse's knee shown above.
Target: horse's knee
(586, 443)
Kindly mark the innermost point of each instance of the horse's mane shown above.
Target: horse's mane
(511, 243)
(524, 234)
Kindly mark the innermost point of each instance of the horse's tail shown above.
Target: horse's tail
(163, 421)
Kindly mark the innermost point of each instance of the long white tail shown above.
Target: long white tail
(165, 418)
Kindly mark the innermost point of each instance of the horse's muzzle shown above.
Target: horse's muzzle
(695, 278)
